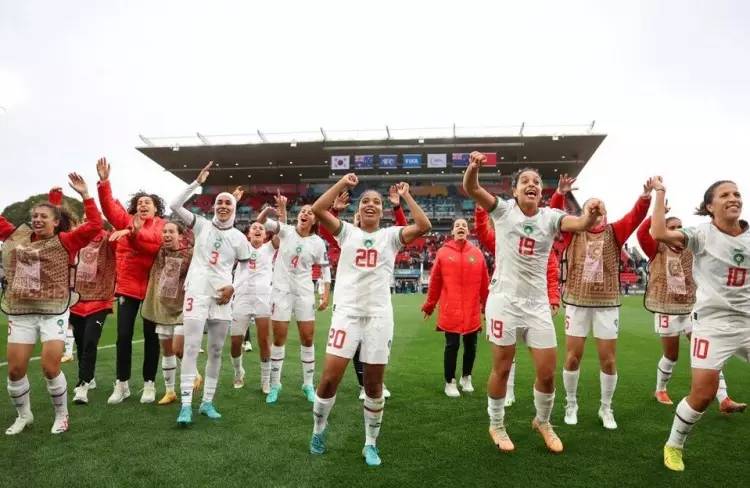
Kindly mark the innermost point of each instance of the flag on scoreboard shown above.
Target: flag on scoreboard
(388, 161)
(436, 160)
(412, 160)
(491, 159)
(363, 161)
(460, 159)
(340, 162)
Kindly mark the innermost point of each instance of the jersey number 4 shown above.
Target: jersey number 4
(366, 258)
(526, 246)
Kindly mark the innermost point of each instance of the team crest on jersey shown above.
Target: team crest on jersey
(738, 257)
(528, 229)
(368, 243)
(298, 250)
(217, 243)
(253, 255)
(60, 322)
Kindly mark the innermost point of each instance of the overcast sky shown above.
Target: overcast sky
(668, 81)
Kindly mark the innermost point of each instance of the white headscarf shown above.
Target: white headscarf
(228, 224)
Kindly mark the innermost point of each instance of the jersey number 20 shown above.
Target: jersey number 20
(366, 258)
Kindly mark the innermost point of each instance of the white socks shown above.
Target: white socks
(69, 342)
(608, 383)
(664, 373)
(721, 393)
(19, 392)
(373, 410)
(510, 386)
(169, 371)
(58, 392)
(496, 411)
(307, 356)
(237, 365)
(570, 381)
(684, 419)
(265, 372)
(209, 389)
(543, 403)
(321, 409)
(277, 362)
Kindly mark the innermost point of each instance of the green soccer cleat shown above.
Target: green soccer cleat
(186, 415)
(273, 395)
(309, 392)
(208, 409)
(371, 455)
(318, 442)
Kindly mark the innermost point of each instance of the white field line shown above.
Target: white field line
(108, 346)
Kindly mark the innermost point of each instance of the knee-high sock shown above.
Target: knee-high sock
(511, 385)
(321, 409)
(721, 393)
(69, 341)
(307, 356)
(58, 392)
(237, 365)
(20, 395)
(684, 419)
(189, 367)
(169, 371)
(664, 373)
(277, 362)
(543, 402)
(496, 411)
(217, 334)
(608, 383)
(570, 381)
(373, 410)
(265, 372)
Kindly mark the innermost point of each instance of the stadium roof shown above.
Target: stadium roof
(306, 157)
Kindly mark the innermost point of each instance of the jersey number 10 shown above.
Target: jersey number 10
(366, 258)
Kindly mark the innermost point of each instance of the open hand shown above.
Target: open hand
(203, 175)
(225, 294)
(102, 168)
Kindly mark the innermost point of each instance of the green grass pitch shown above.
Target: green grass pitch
(427, 439)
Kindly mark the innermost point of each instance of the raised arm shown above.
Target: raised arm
(471, 182)
(79, 237)
(564, 186)
(659, 231)
(399, 216)
(176, 205)
(485, 233)
(587, 220)
(112, 209)
(6, 228)
(647, 243)
(281, 202)
(322, 205)
(421, 223)
(625, 227)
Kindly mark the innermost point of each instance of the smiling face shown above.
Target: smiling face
(305, 219)
(256, 234)
(224, 207)
(528, 189)
(460, 230)
(726, 202)
(145, 207)
(44, 221)
(673, 223)
(170, 236)
(370, 209)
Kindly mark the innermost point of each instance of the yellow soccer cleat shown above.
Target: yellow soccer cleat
(66, 359)
(673, 458)
(554, 444)
(169, 397)
(501, 439)
(197, 382)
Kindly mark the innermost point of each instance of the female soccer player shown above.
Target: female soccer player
(208, 290)
(133, 266)
(362, 314)
(517, 304)
(670, 295)
(37, 260)
(592, 297)
(294, 294)
(164, 298)
(459, 281)
(721, 314)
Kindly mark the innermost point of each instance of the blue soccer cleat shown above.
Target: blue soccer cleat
(273, 395)
(309, 392)
(318, 442)
(186, 415)
(371, 455)
(208, 409)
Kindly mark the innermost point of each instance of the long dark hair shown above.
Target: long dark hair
(63, 215)
(158, 203)
(708, 197)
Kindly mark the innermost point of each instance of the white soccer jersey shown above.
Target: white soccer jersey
(522, 247)
(365, 270)
(720, 267)
(253, 277)
(292, 271)
(214, 256)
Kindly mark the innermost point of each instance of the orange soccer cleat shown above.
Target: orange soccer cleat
(663, 397)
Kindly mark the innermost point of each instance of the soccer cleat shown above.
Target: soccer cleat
(451, 390)
(122, 391)
(197, 382)
(318, 442)
(510, 399)
(371, 455)
(571, 413)
(247, 346)
(386, 392)
(186, 415)
(607, 417)
(169, 397)
(663, 397)
(465, 383)
(554, 444)
(60, 424)
(92, 384)
(273, 395)
(265, 387)
(728, 405)
(81, 394)
(208, 409)
(149, 392)
(309, 392)
(66, 359)
(21, 422)
(501, 439)
(673, 458)
(362, 393)
(239, 381)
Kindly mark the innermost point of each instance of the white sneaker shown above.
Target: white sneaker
(60, 425)
(248, 346)
(608, 418)
(122, 391)
(451, 390)
(361, 393)
(465, 383)
(149, 392)
(265, 387)
(510, 398)
(92, 384)
(82, 394)
(20, 423)
(571, 413)
(386, 392)
(239, 381)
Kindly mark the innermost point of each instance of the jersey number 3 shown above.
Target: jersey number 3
(366, 258)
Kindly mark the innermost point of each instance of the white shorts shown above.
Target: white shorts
(712, 346)
(202, 307)
(286, 304)
(27, 329)
(373, 335)
(672, 325)
(508, 320)
(253, 305)
(168, 331)
(580, 320)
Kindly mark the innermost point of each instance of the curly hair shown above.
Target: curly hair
(158, 203)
